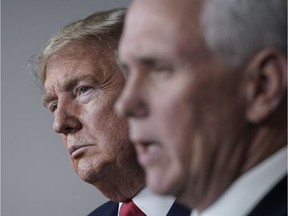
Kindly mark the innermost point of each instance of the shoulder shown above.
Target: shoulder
(109, 208)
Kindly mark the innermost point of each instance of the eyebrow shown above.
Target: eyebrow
(46, 99)
(148, 62)
(67, 85)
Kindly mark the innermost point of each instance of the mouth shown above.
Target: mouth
(75, 150)
(149, 152)
(147, 146)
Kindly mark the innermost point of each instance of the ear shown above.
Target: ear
(267, 84)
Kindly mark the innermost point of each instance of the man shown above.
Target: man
(81, 80)
(206, 101)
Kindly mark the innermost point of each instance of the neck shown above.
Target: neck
(264, 141)
(268, 141)
(120, 187)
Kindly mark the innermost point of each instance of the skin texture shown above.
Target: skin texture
(81, 87)
(194, 121)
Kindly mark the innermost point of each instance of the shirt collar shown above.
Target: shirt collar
(240, 198)
(151, 203)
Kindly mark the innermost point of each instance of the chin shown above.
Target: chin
(87, 172)
(161, 183)
(87, 177)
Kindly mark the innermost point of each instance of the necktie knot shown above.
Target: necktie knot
(130, 209)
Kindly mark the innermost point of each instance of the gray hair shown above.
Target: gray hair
(102, 28)
(235, 30)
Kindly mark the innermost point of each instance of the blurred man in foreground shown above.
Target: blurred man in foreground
(206, 101)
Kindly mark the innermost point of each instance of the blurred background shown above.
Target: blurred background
(36, 175)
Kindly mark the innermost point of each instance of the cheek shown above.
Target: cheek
(107, 128)
(97, 116)
(175, 119)
(176, 123)
(174, 129)
(180, 151)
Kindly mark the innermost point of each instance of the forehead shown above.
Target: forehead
(77, 60)
(159, 26)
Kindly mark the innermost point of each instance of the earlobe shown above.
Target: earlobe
(266, 91)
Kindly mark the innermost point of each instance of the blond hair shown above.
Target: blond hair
(102, 28)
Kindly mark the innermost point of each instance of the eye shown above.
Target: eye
(83, 90)
(53, 107)
(159, 70)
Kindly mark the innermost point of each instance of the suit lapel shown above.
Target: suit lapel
(178, 210)
(274, 203)
(113, 211)
(109, 208)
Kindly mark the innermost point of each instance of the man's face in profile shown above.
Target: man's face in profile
(180, 101)
(81, 87)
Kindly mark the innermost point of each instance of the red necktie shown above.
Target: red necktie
(130, 209)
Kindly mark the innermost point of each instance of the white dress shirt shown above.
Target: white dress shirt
(152, 204)
(242, 196)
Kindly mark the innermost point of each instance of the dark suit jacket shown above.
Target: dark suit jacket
(110, 208)
(274, 203)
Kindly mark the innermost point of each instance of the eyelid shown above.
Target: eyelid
(155, 64)
(80, 87)
(51, 104)
(161, 67)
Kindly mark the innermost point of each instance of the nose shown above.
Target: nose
(65, 119)
(132, 102)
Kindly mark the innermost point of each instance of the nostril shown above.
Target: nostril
(64, 125)
(139, 110)
(68, 129)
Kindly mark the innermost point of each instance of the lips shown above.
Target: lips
(73, 150)
(149, 152)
